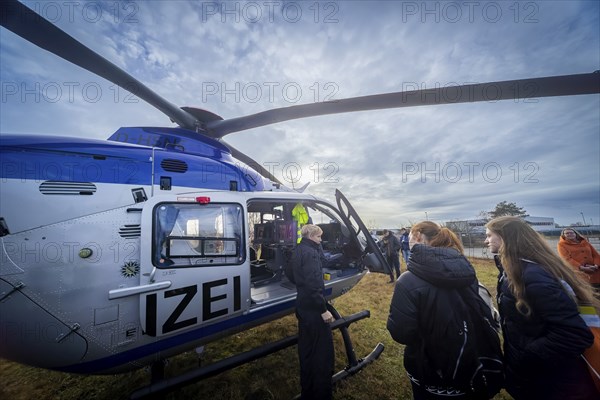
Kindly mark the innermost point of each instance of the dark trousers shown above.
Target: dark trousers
(569, 380)
(394, 262)
(315, 352)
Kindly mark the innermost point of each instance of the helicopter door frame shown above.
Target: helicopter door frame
(374, 259)
(193, 262)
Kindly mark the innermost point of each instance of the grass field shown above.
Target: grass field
(273, 377)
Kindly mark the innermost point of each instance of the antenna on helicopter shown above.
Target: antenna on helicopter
(303, 188)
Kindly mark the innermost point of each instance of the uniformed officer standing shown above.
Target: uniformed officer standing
(315, 341)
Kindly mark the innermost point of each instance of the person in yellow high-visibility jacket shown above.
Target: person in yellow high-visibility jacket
(300, 215)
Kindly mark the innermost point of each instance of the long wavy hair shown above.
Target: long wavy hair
(520, 241)
(438, 236)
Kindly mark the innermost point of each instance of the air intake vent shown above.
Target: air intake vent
(172, 165)
(130, 231)
(68, 188)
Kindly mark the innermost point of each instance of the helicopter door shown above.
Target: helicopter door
(198, 253)
(374, 259)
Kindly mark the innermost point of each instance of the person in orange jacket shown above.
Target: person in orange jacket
(577, 251)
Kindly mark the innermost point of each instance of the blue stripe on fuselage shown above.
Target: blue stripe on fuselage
(52, 158)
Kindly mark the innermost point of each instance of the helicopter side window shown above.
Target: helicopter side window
(187, 235)
(274, 232)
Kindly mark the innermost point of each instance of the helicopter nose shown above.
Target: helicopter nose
(29, 334)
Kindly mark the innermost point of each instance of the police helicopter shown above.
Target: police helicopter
(118, 254)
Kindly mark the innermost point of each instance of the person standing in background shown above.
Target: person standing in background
(404, 243)
(391, 246)
(575, 249)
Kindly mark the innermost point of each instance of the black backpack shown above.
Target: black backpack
(461, 347)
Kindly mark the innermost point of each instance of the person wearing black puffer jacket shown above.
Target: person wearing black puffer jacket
(544, 335)
(315, 340)
(436, 265)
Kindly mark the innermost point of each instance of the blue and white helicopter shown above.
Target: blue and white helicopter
(119, 254)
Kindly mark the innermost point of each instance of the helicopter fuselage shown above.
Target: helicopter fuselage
(119, 253)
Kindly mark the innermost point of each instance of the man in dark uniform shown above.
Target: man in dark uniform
(391, 246)
(315, 341)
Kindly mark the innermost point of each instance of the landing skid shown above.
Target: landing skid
(161, 386)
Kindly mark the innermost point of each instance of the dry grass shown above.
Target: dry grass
(273, 377)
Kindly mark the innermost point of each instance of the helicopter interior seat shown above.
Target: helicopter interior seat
(264, 233)
(332, 244)
(332, 236)
(276, 239)
(260, 274)
(284, 240)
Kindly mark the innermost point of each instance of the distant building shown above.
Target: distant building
(467, 226)
(540, 224)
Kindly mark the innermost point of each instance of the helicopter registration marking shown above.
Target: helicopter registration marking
(204, 313)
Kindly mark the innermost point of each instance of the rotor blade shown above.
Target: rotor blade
(24, 22)
(567, 85)
(250, 162)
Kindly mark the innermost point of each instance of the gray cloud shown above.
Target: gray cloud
(450, 161)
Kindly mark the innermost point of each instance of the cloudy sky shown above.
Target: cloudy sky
(397, 167)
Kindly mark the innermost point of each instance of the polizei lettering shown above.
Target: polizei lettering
(180, 308)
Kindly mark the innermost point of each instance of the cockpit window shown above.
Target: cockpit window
(187, 235)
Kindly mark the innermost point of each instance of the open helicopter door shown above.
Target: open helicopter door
(374, 259)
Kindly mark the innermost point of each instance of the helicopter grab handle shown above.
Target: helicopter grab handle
(131, 291)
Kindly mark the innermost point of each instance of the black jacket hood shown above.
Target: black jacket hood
(443, 267)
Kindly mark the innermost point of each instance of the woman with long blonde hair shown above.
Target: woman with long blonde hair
(544, 336)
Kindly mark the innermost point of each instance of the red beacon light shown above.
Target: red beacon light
(199, 199)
